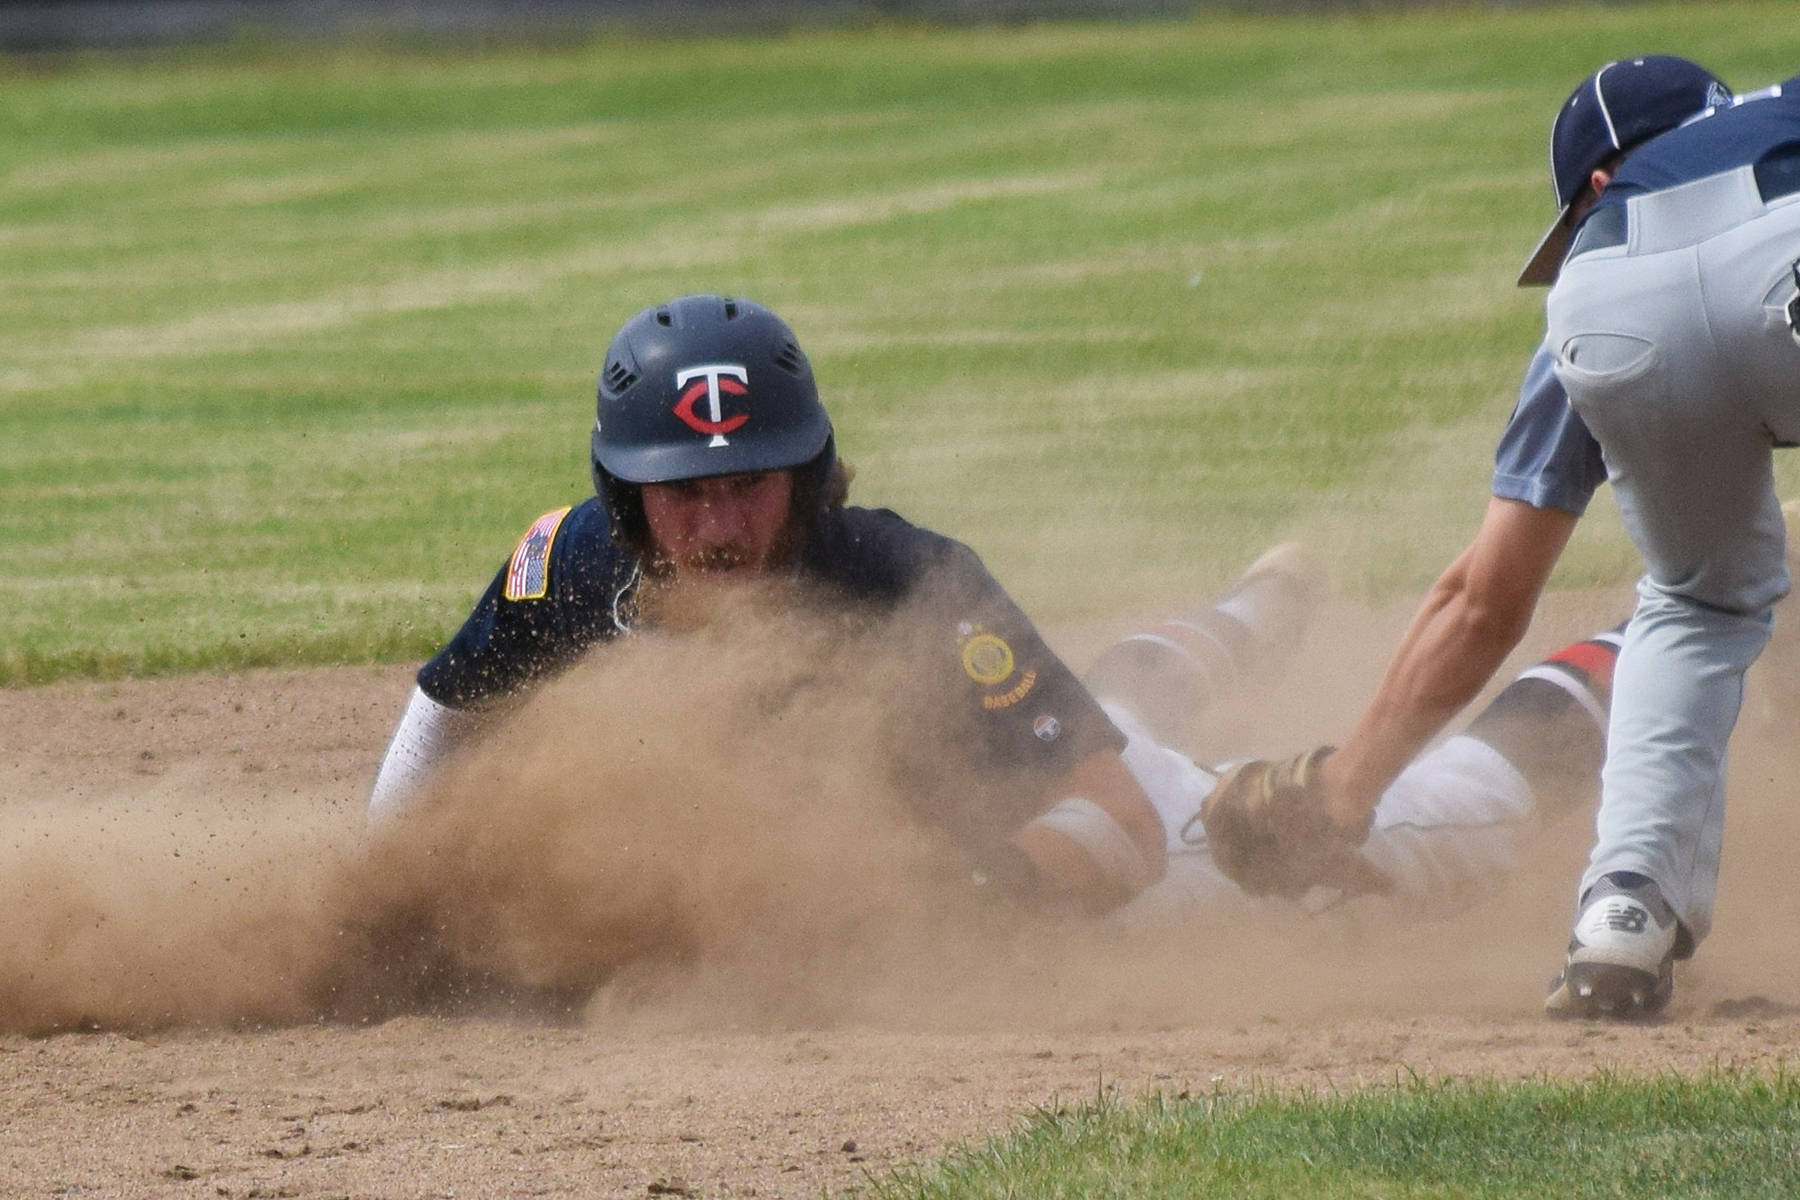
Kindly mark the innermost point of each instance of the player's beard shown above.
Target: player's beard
(698, 589)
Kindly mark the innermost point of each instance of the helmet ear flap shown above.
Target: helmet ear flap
(813, 491)
(624, 504)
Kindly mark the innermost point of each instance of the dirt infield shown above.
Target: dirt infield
(173, 875)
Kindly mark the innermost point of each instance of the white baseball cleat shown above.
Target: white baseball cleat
(1621, 959)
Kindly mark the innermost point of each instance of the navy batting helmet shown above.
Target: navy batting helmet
(704, 386)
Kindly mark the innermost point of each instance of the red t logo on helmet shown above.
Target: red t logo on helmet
(715, 379)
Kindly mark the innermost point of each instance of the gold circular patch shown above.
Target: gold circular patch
(987, 659)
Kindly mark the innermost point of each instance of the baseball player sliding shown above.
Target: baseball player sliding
(1674, 332)
(713, 463)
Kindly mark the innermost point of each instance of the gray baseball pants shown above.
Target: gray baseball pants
(1675, 349)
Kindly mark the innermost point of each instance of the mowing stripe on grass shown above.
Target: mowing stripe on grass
(291, 351)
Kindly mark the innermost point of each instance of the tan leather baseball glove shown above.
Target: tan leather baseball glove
(1269, 832)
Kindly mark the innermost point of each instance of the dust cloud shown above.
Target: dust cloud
(728, 795)
(729, 817)
(723, 830)
(137, 917)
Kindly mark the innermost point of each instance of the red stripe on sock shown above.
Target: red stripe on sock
(1593, 659)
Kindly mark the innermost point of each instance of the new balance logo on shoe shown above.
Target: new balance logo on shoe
(1626, 918)
(1621, 956)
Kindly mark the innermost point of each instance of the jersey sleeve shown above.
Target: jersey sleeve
(1546, 456)
(1003, 717)
(1032, 709)
(981, 658)
(548, 602)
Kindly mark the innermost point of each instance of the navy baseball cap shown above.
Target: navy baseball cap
(1615, 110)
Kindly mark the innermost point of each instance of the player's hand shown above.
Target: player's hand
(1269, 831)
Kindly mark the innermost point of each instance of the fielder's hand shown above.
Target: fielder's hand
(1269, 832)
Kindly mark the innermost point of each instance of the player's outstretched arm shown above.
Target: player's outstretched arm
(1473, 617)
(1098, 842)
(427, 735)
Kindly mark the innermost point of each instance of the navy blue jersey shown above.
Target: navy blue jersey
(1546, 456)
(1012, 703)
(565, 588)
(1721, 140)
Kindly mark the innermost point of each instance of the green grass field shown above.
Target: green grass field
(295, 342)
(1720, 1135)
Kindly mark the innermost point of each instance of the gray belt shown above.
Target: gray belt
(1691, 212)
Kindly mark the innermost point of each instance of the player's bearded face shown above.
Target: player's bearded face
(721, 529)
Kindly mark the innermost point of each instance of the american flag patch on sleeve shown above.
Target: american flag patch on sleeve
(528, 574)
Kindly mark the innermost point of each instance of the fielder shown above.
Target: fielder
(1675, 323)
(713, 462)
(1672, 328)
